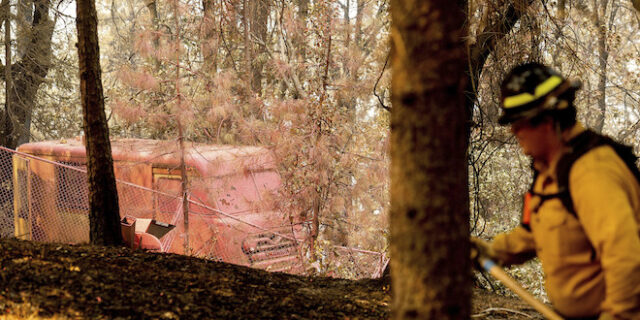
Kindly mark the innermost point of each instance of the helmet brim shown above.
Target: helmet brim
(506, 119)
(533, 108)
(525, 112)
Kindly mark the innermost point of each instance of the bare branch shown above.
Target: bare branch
(297, 84)
(380, 99)
(494, 31)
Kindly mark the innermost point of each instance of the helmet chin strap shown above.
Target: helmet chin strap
(554, 147)
(558, 105)
(559, 134)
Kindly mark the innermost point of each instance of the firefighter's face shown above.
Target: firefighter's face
(534, 137)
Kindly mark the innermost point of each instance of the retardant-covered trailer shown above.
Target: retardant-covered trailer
(232, 193)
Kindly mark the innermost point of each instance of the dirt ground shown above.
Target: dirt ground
(83, 282)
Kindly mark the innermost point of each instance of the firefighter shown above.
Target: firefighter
(580, 217)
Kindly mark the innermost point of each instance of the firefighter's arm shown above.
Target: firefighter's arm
(514, 247)
(601, 191)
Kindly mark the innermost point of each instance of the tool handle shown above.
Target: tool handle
(501, 275)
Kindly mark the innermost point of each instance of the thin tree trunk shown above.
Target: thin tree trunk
(431, 269)
(155, 21)
(104, 212)
(153, 10)
(259, 30)
(209, 42)
(562, 9)
(24, 18)
(599, 10)
(303, 13)
(358, 33)
(246, 21)
(6, 172)
(6, 7)
(347, 24)
(184, 185)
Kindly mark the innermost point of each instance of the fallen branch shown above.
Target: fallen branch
(483, 313)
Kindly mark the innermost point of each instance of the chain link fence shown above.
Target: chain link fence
(47, 201)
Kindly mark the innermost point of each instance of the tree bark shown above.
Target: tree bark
(184, 178)
(24, 18)
(6, 7)
(27, 75)
(259, 30)
(562, 4)
(155, 20)
(358, 33)
(303, 13)
(247, 15)
(104, 213)
(487, 39)
(6, 172)
(347, 23)
(599, 10)
(208, 38)
(431, 269)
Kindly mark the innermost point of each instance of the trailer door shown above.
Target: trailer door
(167, 200)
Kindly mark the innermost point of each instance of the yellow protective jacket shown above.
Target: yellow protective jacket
(591, 260)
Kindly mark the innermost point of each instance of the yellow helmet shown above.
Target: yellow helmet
(532, 88)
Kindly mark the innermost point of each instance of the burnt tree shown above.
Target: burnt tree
(104, 216)
(431, 269)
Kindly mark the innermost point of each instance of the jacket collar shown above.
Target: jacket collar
(573, 132)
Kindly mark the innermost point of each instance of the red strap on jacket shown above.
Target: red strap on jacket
(526, 210)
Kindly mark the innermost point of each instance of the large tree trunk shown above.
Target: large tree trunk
(26, 76)
(104, 215)
(431, 269)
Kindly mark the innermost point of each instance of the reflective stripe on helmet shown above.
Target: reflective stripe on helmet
(541, 90)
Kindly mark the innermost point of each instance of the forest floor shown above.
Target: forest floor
(59, 281)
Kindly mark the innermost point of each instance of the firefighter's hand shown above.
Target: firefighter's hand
(606, 316)
(481, 247)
